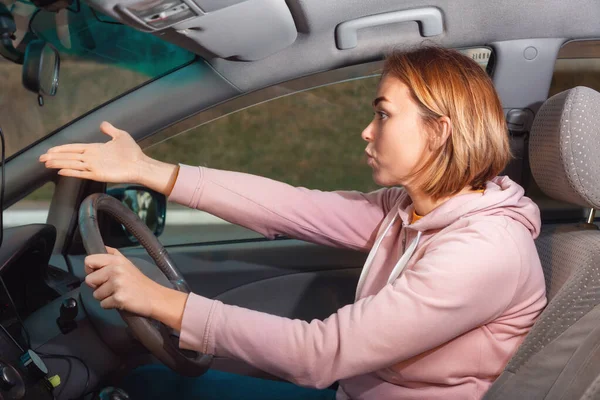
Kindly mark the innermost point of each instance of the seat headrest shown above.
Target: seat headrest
(564, 147)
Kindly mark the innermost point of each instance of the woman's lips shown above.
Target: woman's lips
(370, 158)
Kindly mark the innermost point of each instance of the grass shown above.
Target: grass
(309, 139)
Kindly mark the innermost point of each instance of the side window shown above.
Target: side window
(310, 139)
(32, 209)
(577, 64)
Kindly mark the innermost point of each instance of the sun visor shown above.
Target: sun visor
(246, 30)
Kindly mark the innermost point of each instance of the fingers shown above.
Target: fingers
(71, 148)
(80, 148)
(104, 291)
(77, 174)
(111, 302)
(110, 130)
(98, 277)
(113, 251)
(67, 164)
(97, 261)
(49, 157)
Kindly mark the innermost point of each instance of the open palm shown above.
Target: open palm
(118, 160)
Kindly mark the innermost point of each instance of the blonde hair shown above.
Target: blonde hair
(443, 82)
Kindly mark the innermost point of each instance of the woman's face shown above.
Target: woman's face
(396, 136)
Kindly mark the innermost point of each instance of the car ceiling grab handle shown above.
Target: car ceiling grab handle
(429, 18)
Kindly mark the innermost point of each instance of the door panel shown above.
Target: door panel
(288, 278)
(284, 277)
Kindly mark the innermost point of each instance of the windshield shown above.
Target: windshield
(99, 61)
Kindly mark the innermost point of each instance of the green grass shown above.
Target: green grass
(309, 139)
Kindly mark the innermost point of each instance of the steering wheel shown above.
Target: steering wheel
(155, 336)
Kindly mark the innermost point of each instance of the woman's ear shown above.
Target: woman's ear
(441, 133)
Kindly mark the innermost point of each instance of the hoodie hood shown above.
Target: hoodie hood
(502, 197)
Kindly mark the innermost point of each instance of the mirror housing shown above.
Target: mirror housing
(148, 205)
(41, 67)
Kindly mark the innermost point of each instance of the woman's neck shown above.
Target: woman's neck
(424, 204)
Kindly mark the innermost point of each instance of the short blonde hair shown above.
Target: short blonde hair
(444, 82)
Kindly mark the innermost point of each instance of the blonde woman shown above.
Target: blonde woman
(452, 283)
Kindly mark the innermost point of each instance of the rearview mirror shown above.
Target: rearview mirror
(148, 205)
(41, 67)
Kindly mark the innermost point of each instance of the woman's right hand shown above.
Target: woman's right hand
(119, 160)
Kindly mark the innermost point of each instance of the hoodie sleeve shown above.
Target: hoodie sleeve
(343, 219)
(462, 282)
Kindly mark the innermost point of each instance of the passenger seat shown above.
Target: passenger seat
(560, 358)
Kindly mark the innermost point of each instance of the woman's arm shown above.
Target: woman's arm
(462, 284)
(345, 219)
(342, 218)
(465, 281)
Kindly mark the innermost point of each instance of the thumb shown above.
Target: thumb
(110, 130)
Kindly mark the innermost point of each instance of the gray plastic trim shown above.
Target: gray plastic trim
(213, 5)
(429, 18)
(523, 81)
(249, 31)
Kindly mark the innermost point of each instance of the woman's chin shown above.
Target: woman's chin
(382, 179)
(379, 178)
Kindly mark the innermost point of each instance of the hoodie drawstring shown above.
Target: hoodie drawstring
(400, 265)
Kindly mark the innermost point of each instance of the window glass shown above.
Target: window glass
(480, 54)
(310, 139)
(32, 209)
(99, 61)
(578, 64)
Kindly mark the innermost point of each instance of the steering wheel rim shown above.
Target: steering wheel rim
(152, 334)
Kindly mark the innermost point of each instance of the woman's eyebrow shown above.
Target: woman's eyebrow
(379, 100)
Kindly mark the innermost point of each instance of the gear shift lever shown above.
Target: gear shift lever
(68, 313)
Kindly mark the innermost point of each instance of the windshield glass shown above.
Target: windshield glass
(99, 61)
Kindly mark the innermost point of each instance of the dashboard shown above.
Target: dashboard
(27, 283)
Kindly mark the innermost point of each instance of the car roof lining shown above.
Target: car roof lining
(466, 23)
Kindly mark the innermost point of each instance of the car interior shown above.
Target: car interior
(205, 63)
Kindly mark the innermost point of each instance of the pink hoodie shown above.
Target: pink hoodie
(443, 329)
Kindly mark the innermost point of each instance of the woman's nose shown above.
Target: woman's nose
(367, 133)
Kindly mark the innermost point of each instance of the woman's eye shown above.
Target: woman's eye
(380, 114)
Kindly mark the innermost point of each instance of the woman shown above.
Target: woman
(452, 283)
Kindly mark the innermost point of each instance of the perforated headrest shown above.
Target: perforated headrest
(564, 147)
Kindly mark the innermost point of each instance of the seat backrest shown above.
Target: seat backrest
(560, 357)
